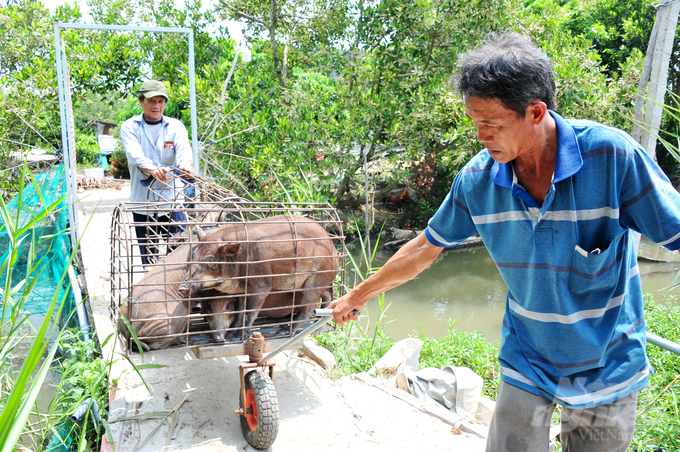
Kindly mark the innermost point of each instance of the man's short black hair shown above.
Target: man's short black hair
(507, 67)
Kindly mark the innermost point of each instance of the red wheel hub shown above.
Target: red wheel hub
(251, 410)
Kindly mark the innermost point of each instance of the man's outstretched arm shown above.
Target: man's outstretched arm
(406, 264)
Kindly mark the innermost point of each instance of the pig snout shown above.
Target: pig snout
(188, 288)
(219, 315)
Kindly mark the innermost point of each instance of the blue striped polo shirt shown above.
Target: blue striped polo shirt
(573, 329)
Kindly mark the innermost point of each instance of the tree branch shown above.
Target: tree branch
(244, 15)
(344, 185)
(275, 49)
(356, 202)
(429, 53)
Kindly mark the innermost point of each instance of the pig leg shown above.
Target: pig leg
(326, 297)
(236, 333)
(299, 320)
(254, 305)
(309, 301)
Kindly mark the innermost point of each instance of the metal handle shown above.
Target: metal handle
(327, 317)
(329, 312)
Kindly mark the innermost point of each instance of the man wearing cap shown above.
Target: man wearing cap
(155, 145)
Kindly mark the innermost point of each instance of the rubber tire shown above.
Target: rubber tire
(266, 403)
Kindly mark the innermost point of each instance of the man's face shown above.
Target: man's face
(505, 134)
(153, 108)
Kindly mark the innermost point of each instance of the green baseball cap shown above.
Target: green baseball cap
(153, 88)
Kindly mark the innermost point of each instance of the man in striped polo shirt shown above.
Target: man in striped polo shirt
(555, 202)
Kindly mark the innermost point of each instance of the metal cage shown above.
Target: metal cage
(155, 280)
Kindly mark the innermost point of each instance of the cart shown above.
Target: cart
(175, 215)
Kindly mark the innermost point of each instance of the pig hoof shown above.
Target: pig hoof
(234, 337)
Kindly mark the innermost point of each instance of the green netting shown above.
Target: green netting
(50, 237)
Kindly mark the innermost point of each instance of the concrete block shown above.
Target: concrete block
(485, 410)
(321, 355)
(94, 172)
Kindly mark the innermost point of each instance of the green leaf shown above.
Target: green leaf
(134, 335)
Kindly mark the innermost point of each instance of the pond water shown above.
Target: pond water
(465, 285)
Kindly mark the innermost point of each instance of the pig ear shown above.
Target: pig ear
(228, 249)
(201, 234)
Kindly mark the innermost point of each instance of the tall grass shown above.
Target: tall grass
(358, 347)
(85, 375)
(298, 188)
(20, 390)
(669, 139)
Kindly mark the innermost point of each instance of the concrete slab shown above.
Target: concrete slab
(316, 413)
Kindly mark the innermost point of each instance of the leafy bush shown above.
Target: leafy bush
(84, 376)
(658, 419)
(355, 349)
(355, 225)
(119, 165)
(87, 149)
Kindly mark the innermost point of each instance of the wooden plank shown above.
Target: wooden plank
(224, 351)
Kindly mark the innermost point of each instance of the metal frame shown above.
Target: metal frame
(184, 202)
(68, 138)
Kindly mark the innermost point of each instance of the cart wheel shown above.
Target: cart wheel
(260, 425)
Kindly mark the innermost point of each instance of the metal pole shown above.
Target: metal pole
(73, 185)
(125, 28)
(192, 100)
(65, 144)
(663, 343)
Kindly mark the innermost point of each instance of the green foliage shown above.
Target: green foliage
(658, 420)
(85, 375)
(462, 349)
(355, 225)
(343, 75)
(616, 28)
(130, 109)
(94, 107)
(118, 166)
(620, 32)
(355, 350)
(393, 79)
(87, 149)
(584, 90)
(669, 137)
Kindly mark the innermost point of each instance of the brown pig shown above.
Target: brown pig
(285, 253)
(218, 311)
(158, 308)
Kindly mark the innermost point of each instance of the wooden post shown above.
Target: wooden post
(656, 70)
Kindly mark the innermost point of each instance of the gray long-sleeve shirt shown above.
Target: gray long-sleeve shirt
(171, 148)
